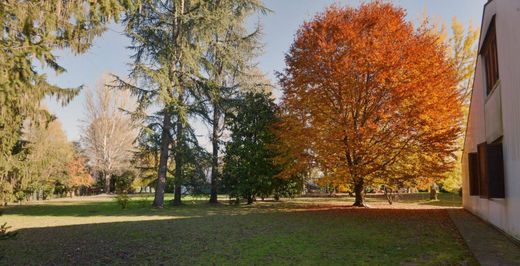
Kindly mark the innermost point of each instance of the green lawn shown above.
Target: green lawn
(297, 232)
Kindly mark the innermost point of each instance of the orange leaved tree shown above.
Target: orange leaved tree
(370, 96)
(78, 175)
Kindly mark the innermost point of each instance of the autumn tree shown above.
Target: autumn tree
(461, 43)
(78, 173)
(463, 49)
(370, 97)
(108, 133)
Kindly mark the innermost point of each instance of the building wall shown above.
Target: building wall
(503, 213)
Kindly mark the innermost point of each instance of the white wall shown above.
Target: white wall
(503, 213)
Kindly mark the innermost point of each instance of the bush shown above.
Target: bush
(124, 181)
(122, 199)
(4, 234)
(123, 186)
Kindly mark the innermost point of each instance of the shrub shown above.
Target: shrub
(4, 234)
(123, 186)
(122, 199)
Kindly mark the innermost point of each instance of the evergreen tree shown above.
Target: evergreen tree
(249, 168)
(32, 30)
(228, 58)
(166, 37)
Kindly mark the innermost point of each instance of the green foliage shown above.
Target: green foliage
(30, 33)
(184, 50)
(249, 169)
(166, 38)
(4, 233)
(123, 181)
(123, 184)
(122, 199)
(228, 63)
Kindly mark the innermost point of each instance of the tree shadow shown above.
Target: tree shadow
(249, 236)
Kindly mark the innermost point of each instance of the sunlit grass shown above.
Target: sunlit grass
(300, 231)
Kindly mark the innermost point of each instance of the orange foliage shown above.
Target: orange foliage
(78, 175)
(368, 95)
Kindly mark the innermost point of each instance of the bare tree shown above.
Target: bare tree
(109, 133)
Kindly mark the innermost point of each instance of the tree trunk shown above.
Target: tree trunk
(214, 156)
(433, 194)
(107, 183)
(179, 153)
(158, 200)
(250, 200)
(388, 195)
(359, 191)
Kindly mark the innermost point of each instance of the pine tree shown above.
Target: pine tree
(166, 38)
(228, 59)
(31, 31)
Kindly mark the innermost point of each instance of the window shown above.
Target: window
(482, 159)
(473, 174)
(490, 55)
(491, 170)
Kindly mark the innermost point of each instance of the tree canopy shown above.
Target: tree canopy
(370, 98)
(31, 31)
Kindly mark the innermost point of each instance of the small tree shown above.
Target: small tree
(78, 175)
(123, 183)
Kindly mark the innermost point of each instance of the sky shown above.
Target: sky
(109, 53)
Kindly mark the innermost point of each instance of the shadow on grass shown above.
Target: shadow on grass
(338, 236)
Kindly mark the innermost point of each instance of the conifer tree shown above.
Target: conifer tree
(31, 31)
(228, 59)
(166, 38)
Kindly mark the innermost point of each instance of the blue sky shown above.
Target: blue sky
(109, 53)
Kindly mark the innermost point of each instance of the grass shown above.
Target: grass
(292, 232)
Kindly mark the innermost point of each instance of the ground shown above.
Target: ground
(301, 231)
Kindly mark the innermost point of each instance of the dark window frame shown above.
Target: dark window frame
(489, 53)
(491, 170)
(483, 170)
(474, 175)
